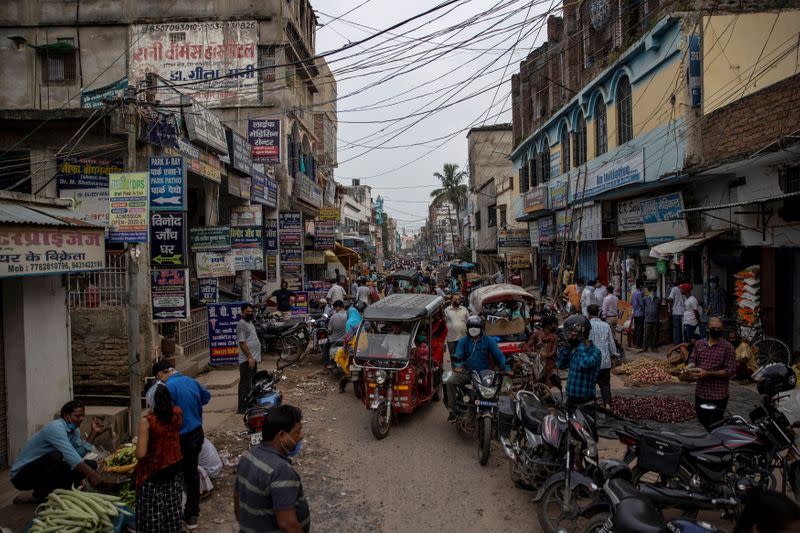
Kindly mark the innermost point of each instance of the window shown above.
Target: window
(59, 63)
(624, 111)
(502, 216)
(600, 128)
(580, 141)
(544, 160)
(523, 176)
(178, 37)
(266, 61)
(533, 173)
(477, 220)
(491, 219)
(564, 150)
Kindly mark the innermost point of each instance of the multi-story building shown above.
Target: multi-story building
(642, 129)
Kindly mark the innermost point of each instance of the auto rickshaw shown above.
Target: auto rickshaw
(398, 352)
(506, 308)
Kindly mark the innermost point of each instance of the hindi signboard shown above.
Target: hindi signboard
(168, 239)
(558, 193)
(265, 137)
(329, 214)
(128, 200)
(324, 234)
(80, 173)
(169, 293)
(208, 290)
(40, 250)
(299, 303)
(210, 239)
(222, 319)
(94, 98)
(536, 199)
(239, 152)
(215, 264)
(167, 183)
(663, 218)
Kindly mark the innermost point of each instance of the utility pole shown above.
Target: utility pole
(134, 251)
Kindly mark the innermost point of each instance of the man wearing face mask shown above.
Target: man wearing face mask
(472, 355)
(587, 297)
(249, 353)
(456, 317)
(716, 359)
(582, 358)
(268, 494)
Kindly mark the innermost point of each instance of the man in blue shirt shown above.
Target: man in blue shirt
(53, 457)
(190, 396)
(637, 303)
(472, 354)
(582, 358)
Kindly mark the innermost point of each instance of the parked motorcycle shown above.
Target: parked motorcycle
(318, 331)
(262, 396)
(715, 470)
(288, 338)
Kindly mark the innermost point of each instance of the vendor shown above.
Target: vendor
(53, 457)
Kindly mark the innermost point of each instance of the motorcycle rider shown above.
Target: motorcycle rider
(472, 354)
(582, 358)
(354, 317)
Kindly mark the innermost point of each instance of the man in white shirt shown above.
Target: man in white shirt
(396, 342)
(249, 353)
(677, 302)
(455, 316)
(602, 337)
(587, 297)
(600, 293)
(691, 314)
(336, 292)
(362, 293)
(610, 309)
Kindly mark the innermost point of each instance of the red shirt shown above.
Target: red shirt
(720, 356)
(163, 446)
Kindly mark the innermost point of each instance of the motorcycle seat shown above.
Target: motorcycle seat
(634, 513)
(281, 327)
(689, 442)
(532, 413)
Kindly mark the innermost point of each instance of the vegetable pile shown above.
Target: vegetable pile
(127, 495)
(659, 409)
(125, 456)
(650, 375)
(75, 511)
(642, 362)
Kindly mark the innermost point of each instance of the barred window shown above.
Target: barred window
(600, 127)
(266, 63)
(58, 67)
(177, 37)
(565, 151)
(624, 111)
(580, 141)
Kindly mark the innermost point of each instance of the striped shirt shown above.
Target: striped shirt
(601, 336)
(267, 483)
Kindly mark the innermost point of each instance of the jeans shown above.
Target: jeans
(191, 444)
(543, 290)
(650, 335)
(326, 353)
(604, 381)
(709, 417)
(638, 331)
(47, 473)
(677, 329)
(451, 387)
(688, 331)
(245, 381)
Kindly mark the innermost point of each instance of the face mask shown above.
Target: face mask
(248, 318)
(298, 446)
(474, 331)
(573, 341)
(456, 304)
(71, 426)
(715, 333)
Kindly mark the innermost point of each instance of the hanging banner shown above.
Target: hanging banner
(168, 239)
(324, 234)
(211, 239)
(214, 265)
(265, 137)
(208, 290)
(169, 293)
(94, 98)
(222, 320)
(128, 200)
(167, 184)
(299, 303)
(85, 172)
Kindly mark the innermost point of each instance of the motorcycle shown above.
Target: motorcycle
(318, 331)
(262, 396)
(289, 339)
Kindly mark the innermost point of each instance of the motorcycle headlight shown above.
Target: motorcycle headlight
(380, 377)
(487, 392)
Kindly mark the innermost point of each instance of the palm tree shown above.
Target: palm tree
(452, 191)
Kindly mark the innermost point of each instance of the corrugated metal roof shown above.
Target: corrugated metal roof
(40, 215)
(773, 198)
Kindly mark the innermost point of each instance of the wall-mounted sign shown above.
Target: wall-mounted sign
(558, 193)
(329, 213)
(547, 231)
(663, 218)
(290, 239)
(168, 239)
(313, 257)
(222, 320)
(536, 199)
(695, 85)
(246, 215)
(39, 250)
(248, 259)
(167, 183)
(215, 264)
(629, 216)
(91, 203)
(264, 186)
(307, 190)
(518, 261)
(271, 236)
(613, 174)
(169, 292)
(198, 161)
(94, 98)
(208, 290)
(128, 194)
(239, 152)
(513, 238)
(324, 234)
(85, 172)
(265, 137)
(205, 127)
(211, 239)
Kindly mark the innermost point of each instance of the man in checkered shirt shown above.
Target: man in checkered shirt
(716, 359)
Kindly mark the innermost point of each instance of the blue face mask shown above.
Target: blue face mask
(71, 426)
(298, 446)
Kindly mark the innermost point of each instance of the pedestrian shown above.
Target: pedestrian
(268, 493)
(573, 293)
(353, 290)
(455, 316)
(544, 276)
(637, 306)
(602, 336)
(249, 354)
(190, 396)
(768, 512)
(159, 480)
(714, 303)
(587, 297)
(545, 341)
(337, 328)
(362, 292)
(374, 295)
(600, 292)
(677, 301)
(336, 292)
(582, 358)
(609, 310)
(651, 319)
(716, 359)
(283, 298)
(566, 278)
(691, 314)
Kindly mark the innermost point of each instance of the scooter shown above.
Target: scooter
(262, 396)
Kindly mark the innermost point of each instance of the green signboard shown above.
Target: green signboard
(213, 239)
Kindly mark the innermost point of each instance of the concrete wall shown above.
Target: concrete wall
(37, 351)
(100, 351)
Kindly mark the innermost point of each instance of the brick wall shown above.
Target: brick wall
(99, 351)
(748, 125)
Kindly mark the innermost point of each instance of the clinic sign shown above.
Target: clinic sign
(128, 195)
(663, 218)
(264, 135)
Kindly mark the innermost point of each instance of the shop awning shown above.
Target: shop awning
(668, 249)
(346, 256)
(773, 198)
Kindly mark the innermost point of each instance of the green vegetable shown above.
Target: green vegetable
(77, 511)
(123, 457)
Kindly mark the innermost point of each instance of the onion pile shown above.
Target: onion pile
(642, 362)
(659, 409)
(650, 375)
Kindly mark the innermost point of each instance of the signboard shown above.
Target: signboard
(128, 194)
(663, 218)
(167, 184)
(264, 188)
(513, 238)
(247, 238)
(246, 215)
(328, 214)
(168, 239)
(91, 203)
(208, 290)
(271, 236)
(290, 241)
(307, 190)
(313, 257)
(204, 127)
(324, 234)
(547, 231)
(536, 199)
(589, 221)
(239, 152)
(299, 303)
(85, 172)
(695, 84)
(265, 137)
(169, 293)
(94, 98)
(215, 264)
(272, 268)
(248, 259)
(563, 220)
(518, 261)
(616, 173)
(558, 193)
(39, 250)
(272, 191)
(222, 346)
(193, 51)
(629, 216)
(211, 239)
(555, 166)
(198, 161)
(316, 291)
(160, 128)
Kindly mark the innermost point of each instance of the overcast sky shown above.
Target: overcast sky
(430, 86)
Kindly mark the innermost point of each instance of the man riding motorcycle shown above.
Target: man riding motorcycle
(582, 358)
(472, 354)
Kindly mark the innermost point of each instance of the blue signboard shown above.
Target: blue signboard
(695, 75)
(222, 345)
(662, 208)
(167, 183)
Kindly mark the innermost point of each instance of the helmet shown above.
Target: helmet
(773, 378)
(475, 321)
(360, 306)
(578, 324)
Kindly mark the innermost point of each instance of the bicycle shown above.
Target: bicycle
(768, 349)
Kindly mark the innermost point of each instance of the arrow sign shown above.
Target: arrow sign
(176, 260)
